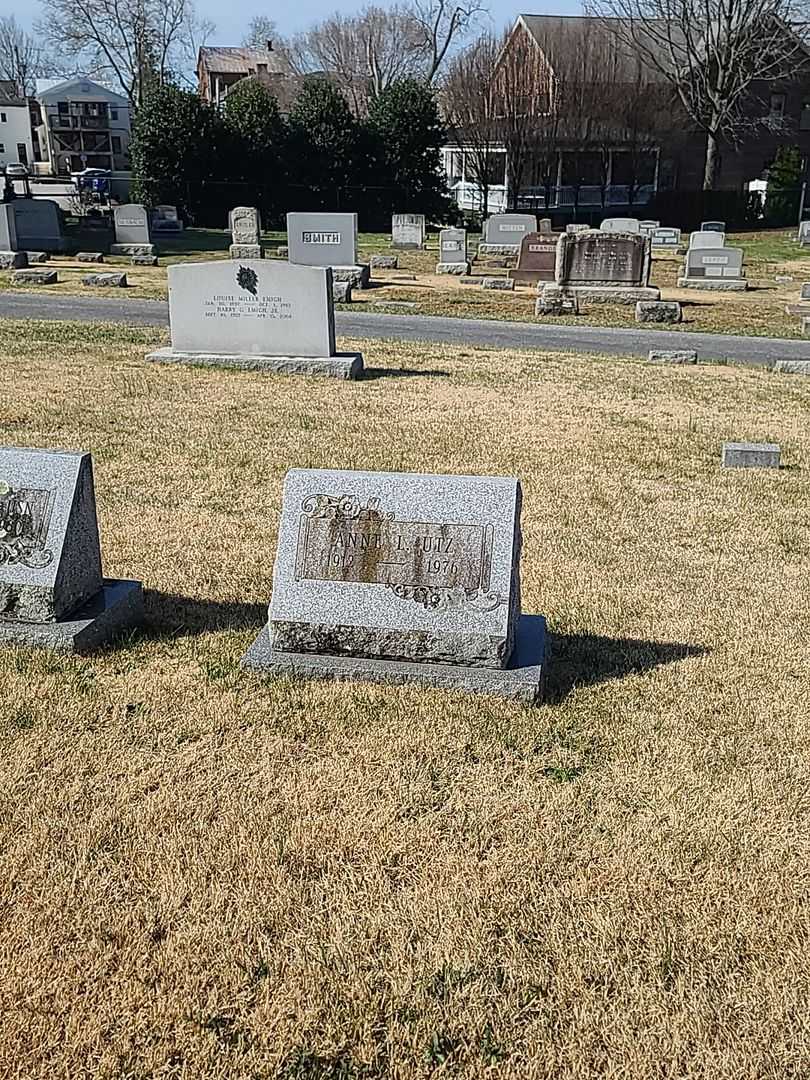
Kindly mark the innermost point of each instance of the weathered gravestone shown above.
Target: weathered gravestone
(707, 240)
(713, 226)
(503, 233)
(714, 268)
(263, 315)
(605, 267)
(648, 227)
(327, 240)
(666, 238)
(52, 592)
(38, 224)
(408, 231)
(243, 222)
(804, 233)
(165, 219)
(132, 232)
(620, 225)
(453, 253)
(537, 259)
(401, 577)
(544, 225)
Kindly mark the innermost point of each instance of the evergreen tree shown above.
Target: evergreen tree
(324, 149)
(259, 147)
(409, 134)
(784, 186)
(177, 146)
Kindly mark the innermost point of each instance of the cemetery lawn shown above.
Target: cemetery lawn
(760, 311)
(206, 876)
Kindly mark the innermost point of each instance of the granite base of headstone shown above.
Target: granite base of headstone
(143, 260)
(748, 455)
(52, 592)
(37, 258)
(132, 249)
(90, 257)
(498, 284)
(245, 251)
(106, 280)
(792, 367)
(384, 262)
(401, 578)
(672, 356)
(357, 277)
(605, 267)
(552, 300)
(658, 311)
(342, 292)
(34, 277)
(13, 260)
(259, 315)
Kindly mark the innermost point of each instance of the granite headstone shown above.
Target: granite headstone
(39, 225)
(453, 252)
(132, 230)
(536, 260)
(605, 267)
(709, 239)
(620, 225)
(245, 228)
(714, 268)
(263, 315)
(399, 577)
(503, 233)
(713, 226)
(407, 231)
(51, 587)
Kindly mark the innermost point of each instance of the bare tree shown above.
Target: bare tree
(442, 24)
(261, 29)
(471, 108)
(129, 43)
(712, 53)
(22, 59)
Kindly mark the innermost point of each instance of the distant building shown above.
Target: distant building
(220, 69)
(80, 125)
(16, 140)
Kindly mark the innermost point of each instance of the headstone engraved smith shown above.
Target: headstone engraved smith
(394, 577)
(260, 314)
(52, 592)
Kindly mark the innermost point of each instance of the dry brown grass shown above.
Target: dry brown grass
(204, 876)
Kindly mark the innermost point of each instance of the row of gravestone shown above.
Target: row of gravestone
(38, 225)
(385, 577)
(381, 576)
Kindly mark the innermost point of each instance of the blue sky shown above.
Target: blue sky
(232, 19)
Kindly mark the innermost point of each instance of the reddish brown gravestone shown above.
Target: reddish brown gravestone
(537, 258)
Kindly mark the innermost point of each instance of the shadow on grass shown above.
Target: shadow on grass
(588, 659)
(172, 616)
(395, 373)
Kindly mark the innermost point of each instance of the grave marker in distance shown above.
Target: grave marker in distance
(400, 577)
(503, 233)
(261, 315)
(407, 232)
(537, 259)
(52, 592)
(132, 232)
(453, 253)
(714, 268)
(245, 227)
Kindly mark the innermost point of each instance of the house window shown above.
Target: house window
(2, 148)
(777, 105)
(3, 118)
(804, 117)
(113, 114)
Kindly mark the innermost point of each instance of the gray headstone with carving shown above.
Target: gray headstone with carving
(407, 231)
(263, 315)
(39, 225)
(51, 586)
(453, 252)
(399, 577)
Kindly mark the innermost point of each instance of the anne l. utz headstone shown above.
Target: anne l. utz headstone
(605, 267)
(39, 225)
(714, 268)
(503, 233)
(245, 227)
(407, 231)
(453, 253)
(262, 315)
(401, 577)
(620, 225)
(52, 592)
(536, 260)
(132, 231)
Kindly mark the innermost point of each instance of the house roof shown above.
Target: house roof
(48, 89)
(241, 60)
(9, 93)
(563, 36)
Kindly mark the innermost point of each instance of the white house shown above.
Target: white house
(16, 140)
(83, 125)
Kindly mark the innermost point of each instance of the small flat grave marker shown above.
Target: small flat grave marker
(395, 577)
(747, 455)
